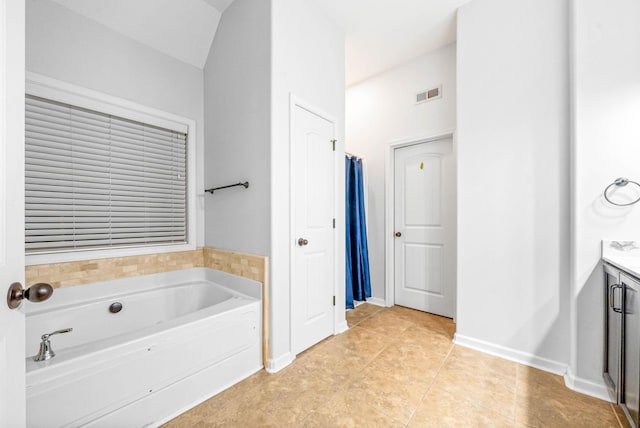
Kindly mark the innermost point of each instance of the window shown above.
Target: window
(95, 180)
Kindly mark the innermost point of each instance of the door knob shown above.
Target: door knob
(36, 293)
(398, 234)
(302, 242)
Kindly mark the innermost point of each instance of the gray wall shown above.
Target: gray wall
(69, 47)
(237, 85)
(241, 99)
(513, 179)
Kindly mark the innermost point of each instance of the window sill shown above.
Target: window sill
(102, 253)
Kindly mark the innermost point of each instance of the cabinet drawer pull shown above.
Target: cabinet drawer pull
(612, 298)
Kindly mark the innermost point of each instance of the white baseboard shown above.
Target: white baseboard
(511, 354)
(376, 301)
(587, 387)
(342, 327)
(276, 364)
(583, 386)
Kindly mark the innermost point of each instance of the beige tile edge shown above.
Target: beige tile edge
(69, 274)
(250, 266)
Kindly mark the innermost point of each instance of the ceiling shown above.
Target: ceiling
(380, 34)
(183, 29)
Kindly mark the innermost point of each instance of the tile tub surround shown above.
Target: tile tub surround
(623, 254)
(396, 367)
(246, 265)
(69, 274)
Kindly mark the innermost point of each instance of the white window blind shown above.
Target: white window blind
(94, 180)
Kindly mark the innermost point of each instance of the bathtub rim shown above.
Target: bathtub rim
(65, 297)
(96, 352)
(245, 292)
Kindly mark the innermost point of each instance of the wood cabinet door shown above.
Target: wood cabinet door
(631, 346)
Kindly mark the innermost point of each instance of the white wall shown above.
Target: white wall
(307, 61)
(513, 179)
(606, 145)
(382, 110)
(237, 84)
(66, 46)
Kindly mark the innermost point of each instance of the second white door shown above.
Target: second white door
(424, 220)
(313, 194)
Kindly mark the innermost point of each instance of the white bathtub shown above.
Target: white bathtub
(180, 338)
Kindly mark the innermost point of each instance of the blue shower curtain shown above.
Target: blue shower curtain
(357, 253)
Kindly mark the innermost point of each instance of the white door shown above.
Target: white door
(424, 219)
(313, 190)
(12, 75)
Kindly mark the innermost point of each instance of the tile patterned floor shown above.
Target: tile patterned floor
(396, 367)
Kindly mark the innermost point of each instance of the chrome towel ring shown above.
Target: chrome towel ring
(620, 182)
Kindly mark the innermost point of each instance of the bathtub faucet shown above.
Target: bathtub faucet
(45, 346)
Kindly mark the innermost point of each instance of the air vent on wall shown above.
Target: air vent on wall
(429, 95)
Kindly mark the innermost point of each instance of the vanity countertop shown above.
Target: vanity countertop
(624, 255)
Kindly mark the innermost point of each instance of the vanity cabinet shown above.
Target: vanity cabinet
(621, 368)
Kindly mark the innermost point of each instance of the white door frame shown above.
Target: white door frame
(389, 224)
(12, 204)
(338, 327)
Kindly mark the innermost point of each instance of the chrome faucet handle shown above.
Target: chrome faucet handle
(45, 351)
(64, 330)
